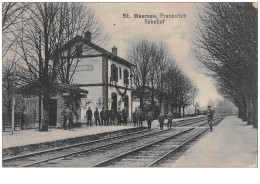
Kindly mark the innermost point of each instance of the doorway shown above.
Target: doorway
(114, 102)
(53, 113)
(126, 102)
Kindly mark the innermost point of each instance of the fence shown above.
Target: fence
(7, 122)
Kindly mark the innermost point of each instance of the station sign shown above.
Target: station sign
(83, 95)
(65, 94)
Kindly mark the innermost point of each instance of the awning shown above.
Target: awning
(69, 88)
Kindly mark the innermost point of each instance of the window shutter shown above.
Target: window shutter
(116, 74)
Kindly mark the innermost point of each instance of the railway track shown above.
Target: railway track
(82, 149)
(152, 154)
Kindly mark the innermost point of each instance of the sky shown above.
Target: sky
(176, 33)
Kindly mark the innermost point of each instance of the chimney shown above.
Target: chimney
(88, 36)
(114, 50)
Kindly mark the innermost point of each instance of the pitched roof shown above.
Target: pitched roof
(110, 55)
(58, 86)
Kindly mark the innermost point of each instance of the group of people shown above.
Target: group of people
(107, 117)
(67, 117)
(139, 117)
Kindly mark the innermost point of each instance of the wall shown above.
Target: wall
(93, 75)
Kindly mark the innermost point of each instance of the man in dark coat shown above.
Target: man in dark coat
(103, 116)
(112, 117)
(135, 117)
(141, 118)
(125, 115)
(64, 114)
(169, 117)
(119, 117)
(161, 120)
(210, 117)
(96, 116)
(107, 116)
(70, 117)
(89, 115)
(149, 120)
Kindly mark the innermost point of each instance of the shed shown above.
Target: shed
(61, 94)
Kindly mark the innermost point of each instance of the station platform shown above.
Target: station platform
(232, 143)
(33, 136)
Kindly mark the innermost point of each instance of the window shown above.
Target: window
(126, 77)
(114, 73)
(120, 73)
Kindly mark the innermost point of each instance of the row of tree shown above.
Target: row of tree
(227, 46)
(158, 80)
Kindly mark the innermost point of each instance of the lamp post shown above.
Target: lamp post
(13, 113)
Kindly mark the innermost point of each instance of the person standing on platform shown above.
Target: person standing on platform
(149, 120)
(89, 115)
(64, 115)
(119, 117)
(112, 117)
(210, 117)
(102, 116)
(161, 120)
(96, 116)
(141, 118)
(70, 117)
(135, 117)
(125, 115)
(169, 117)
(106, 117)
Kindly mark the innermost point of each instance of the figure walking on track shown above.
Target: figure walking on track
(161, 120)
(149, 120)
(169, 117)
(210, 117)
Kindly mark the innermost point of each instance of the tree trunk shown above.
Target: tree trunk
(255, 112)
(179, 108)
(249, 112)
(244, 112)
(239, 115)
(183, 113)
(141, 101)
(46, 110)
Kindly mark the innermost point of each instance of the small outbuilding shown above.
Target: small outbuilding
(61, 94)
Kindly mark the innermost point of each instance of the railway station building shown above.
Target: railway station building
(106, 76)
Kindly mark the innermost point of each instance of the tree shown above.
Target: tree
(11, 17)
(141, 54)
(227, 46)
(48, 27)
